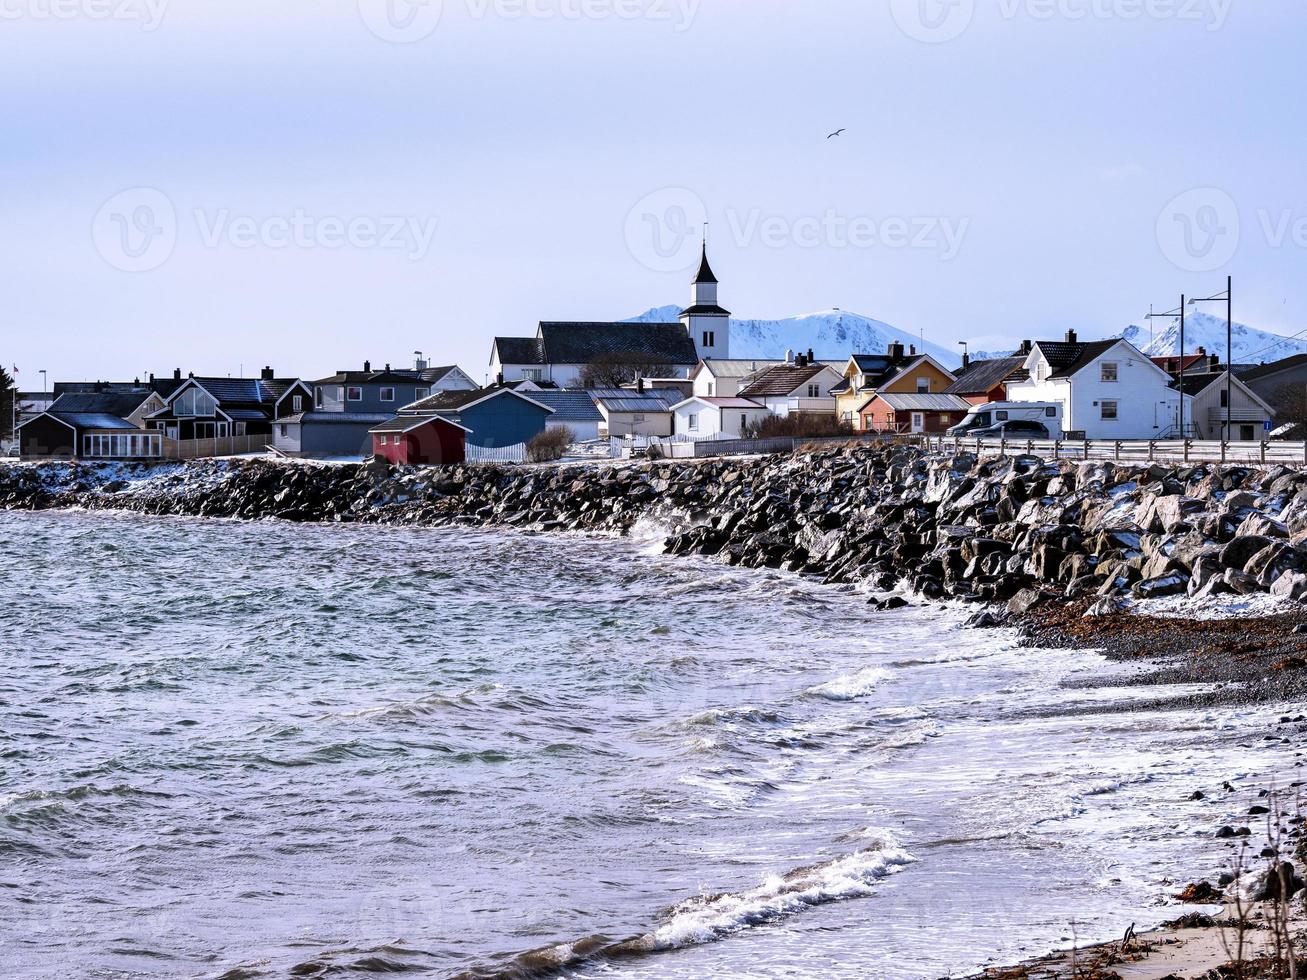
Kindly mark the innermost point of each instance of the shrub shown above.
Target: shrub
(802, 426)
(549, 445)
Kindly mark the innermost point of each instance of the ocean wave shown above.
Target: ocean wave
(853, 686)
(708, 918)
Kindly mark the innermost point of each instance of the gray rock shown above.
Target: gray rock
(1290, 585)
(1240, 551)
(1164, 585)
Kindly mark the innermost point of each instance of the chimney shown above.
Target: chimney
(966, 360)
(1201, 351)
(267, 374)
(387, 367)
(1071, 337)
(810, 357)
(99, 386)
(639, 385)
(367, 367)
(896, 351)
(499, 379)
(176, 374)
(789, 356)
(1214, 362)
(1026, 347)
(912, 350)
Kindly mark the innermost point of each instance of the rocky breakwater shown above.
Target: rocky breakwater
(1015, 530)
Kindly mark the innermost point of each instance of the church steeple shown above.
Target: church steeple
(705, 270)
(708, 325)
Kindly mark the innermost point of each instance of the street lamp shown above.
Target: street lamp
(1228, 299)
(1171, 315)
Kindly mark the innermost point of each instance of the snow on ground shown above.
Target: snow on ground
(1215, 607)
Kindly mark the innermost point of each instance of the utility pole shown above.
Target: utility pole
(1171, 315)
(1229, 349)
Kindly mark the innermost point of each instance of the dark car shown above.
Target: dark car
(1013, 429)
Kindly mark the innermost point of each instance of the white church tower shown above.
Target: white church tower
(708, 325)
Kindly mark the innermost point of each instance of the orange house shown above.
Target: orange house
(895, 372)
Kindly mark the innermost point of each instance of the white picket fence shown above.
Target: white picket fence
(1134, 451)
(496, 454)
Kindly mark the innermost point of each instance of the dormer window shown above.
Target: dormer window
(1041, 371)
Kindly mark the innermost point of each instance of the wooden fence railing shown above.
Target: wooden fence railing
(217, 446)
(1138, 450)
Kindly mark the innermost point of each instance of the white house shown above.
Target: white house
(801, 387)
(1108, 389)
(626, 413)
(723, 378)
(1207, 408)
(703, 417)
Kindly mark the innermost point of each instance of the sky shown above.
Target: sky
(216, 185)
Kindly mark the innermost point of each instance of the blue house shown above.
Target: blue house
(494, 417)
(347, 405)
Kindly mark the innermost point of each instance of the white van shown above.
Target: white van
(991, 415)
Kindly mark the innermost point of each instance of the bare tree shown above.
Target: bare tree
(1290, 403)
(615, 370)
(7, 420)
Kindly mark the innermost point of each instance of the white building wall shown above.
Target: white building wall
(288, 443)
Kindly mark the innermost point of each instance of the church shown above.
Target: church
(560, 350)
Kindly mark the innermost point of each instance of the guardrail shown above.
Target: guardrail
(1140, 450)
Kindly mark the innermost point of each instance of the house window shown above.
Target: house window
(317, 397)
(421, 393)
(709, 339)
(532, 374)
(923, 386)
(297, 404)
(637, 418)
(387, 394)
(240, 428)
(1109, 411)
(744, 421)
(1225, 398)
(222, 430)
(692, 420)
(1041, 371)
(814, 391)
(284, 429)
(193, 402)
(353, 394)
(1109, 371)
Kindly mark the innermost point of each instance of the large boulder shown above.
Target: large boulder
(1174, 583)
(1241, 550)
(1258, 524)
(1290, 585)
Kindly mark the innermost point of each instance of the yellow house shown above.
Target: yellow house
(894, 372)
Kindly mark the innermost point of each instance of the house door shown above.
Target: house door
(171, 432)
(918, 421)
(1246, 433)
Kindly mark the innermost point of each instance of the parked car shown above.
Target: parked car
(14, 450)
(1014, 430)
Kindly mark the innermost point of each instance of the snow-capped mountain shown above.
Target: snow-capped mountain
(1251, 346)
(831, 334)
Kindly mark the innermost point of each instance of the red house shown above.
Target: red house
(420, 440)
(892, 412)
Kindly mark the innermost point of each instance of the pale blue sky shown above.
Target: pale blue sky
(1020, 170)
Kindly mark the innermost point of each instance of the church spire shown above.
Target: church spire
(705, 274)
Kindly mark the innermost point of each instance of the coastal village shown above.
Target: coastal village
(610, 389)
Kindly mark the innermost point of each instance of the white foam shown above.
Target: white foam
(852, 686)
(705, 919)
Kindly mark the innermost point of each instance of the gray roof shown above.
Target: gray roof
(338, 417)
(780, 380)
(635, 404)
(736, 367)
(576, 342)
(569, 406)
(1069, 359)
(403, 423)
(120, 403)
(456, 401)
(913, 402)
(982, 376)
(93, 420)
(1273, 368)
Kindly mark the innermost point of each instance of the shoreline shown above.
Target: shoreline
(1243, 660)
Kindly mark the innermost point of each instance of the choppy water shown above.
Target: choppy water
(233, 750)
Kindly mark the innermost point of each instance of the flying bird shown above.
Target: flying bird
(834, 134)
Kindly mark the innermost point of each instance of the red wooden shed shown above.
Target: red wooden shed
(420, 440)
